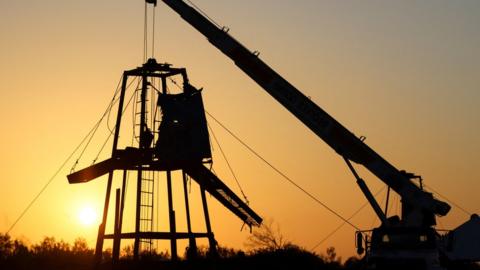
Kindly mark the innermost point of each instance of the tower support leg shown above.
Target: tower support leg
(192, 244)
(211, 238)
(101, 229)
(171, 215)
(136, 244)
(116, 230)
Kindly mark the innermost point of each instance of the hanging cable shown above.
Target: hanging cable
(86, 145)
(145, 31)
(343, 223)
(110, 110)
(228, 164)
(101, 148)
(116, 92)
(153, 33)
(137, 88)
(133, 115)
(382, 202)
(145, 26)
(468, 213)
(51, 179)
(48, 182)
(284, 175)
(88, 137)
(175, 83)
(110, 134)
(152, 107)
(97, 125)
(374, 221)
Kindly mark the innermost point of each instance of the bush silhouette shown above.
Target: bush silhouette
(60, 255)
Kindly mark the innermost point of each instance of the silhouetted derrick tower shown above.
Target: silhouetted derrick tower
(171, 135)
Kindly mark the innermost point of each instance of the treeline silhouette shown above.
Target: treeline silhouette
(47, 254)
(58, 254)
(269, 254)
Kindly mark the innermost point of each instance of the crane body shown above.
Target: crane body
(409, 238)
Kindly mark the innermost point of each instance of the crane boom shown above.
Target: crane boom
(344, 142)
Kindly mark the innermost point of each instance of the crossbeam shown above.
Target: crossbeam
(204, 177)
(134, 159)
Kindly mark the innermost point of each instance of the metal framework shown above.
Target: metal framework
(150, 157)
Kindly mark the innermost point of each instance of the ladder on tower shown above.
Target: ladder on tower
(147, 179)
(147, 208)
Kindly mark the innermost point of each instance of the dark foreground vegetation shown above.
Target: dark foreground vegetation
(53, 254)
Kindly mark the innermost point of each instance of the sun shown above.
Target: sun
(87, 216)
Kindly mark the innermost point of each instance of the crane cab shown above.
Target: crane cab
(403, 248)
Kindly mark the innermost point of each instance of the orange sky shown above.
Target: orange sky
(403, 74)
